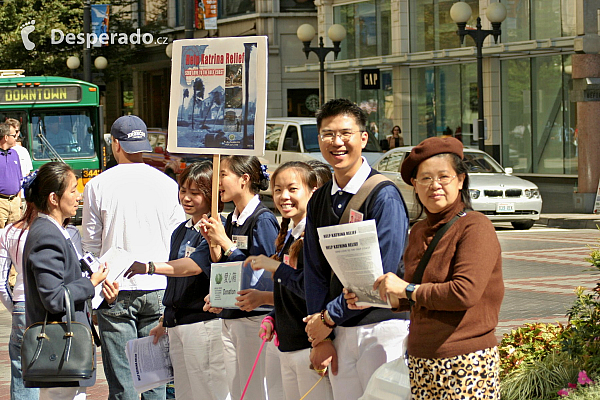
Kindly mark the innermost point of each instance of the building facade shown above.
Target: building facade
(429, 81)
(147, 92)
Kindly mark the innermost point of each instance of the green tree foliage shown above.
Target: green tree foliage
(67, 15)
(45, 58)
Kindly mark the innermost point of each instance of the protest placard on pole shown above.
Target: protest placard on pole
(218, 98)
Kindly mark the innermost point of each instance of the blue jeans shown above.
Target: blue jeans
(17, 390)
(132, 316)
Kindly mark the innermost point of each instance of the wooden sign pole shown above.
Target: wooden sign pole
(214, 211)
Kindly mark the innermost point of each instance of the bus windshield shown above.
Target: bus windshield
(68, 133)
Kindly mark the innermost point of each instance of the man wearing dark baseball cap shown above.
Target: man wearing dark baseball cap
(135, 207)
(131, 135)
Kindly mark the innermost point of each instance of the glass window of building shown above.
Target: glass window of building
(444, 102)
(179, 13)
(297, 5)
(378, 104)
(538, 19)
(229, 8)
(431, 26)
(538, 119)
(367, 28)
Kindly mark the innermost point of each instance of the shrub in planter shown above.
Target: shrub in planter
(528, 343)
(539, 379)
(582, 336)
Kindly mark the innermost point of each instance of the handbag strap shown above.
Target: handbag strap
(418, 276)
(69, 305)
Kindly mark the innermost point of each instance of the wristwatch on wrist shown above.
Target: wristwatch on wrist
(409, 292)
(230, 250)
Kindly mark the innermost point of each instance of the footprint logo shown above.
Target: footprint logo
(26, 29)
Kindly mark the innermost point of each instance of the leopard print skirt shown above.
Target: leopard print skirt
(467, 376)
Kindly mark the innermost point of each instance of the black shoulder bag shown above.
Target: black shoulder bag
(58, 351)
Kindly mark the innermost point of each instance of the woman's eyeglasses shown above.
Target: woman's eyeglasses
(442, 180)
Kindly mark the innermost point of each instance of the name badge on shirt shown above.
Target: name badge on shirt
(240, 241)
(286, 259)
(355, 216)
(189, 250)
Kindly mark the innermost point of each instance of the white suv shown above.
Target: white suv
(297, 139)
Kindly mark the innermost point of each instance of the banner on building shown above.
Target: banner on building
(100, 17)
(206, 14)
(218, 96)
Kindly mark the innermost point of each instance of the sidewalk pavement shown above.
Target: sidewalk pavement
(570, 221)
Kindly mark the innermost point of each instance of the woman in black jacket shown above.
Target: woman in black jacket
(51, 262)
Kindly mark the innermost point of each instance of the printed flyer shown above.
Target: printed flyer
(218, 96)
(225, 283)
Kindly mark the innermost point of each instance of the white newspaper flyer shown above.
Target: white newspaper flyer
(118, 261)
(225, 283)
(352, 251)
(149, 363)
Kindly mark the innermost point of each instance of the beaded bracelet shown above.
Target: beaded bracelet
(324, 321)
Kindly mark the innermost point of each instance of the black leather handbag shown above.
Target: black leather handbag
(58, 351)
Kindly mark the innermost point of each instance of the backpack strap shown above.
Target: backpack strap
(359, 198)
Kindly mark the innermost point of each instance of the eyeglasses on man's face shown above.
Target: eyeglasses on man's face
(329, 136)
(442, 180)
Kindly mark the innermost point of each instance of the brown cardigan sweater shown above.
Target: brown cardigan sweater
(458, 302)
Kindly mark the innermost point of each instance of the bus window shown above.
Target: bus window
(69, 133)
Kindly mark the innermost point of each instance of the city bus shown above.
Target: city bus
(61, 120)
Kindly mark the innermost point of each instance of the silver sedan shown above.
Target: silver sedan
(494, 191)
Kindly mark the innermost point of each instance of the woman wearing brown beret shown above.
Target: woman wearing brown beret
(452, 347)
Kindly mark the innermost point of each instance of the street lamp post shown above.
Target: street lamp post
(336, 33)
(100, 63)
(496, 13)
(87, 52)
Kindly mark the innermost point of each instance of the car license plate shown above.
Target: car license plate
(505, 207)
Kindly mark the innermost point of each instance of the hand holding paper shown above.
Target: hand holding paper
(391, 287)
(119, 261)
(137, 268)
(100, 275)
(351, 299)
(208, 306)
(110, 291)
(352, 251)
(250, 299)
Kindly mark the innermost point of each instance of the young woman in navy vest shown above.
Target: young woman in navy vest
(293, 185)
(194, 335)
(251, 229)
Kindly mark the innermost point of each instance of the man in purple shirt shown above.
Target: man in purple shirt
(10, 176)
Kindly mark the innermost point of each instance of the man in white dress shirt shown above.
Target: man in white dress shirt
(134, 207)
